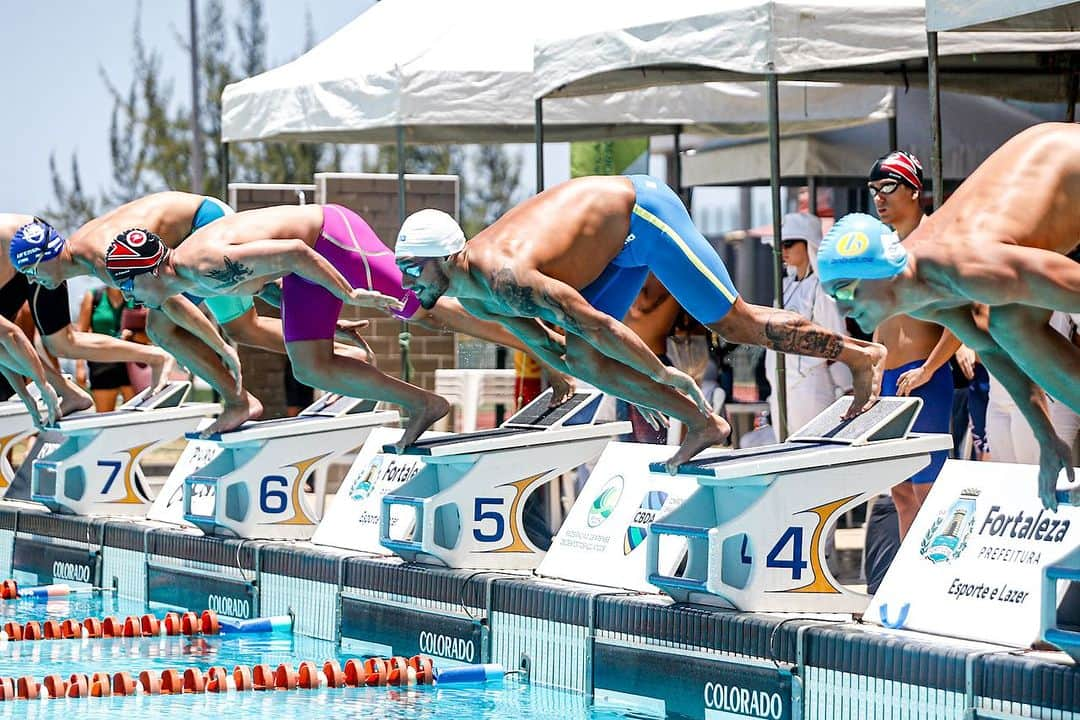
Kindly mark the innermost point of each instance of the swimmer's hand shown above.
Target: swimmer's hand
(866, 375)
(655, 418)
(52, 406)
(912, 379)
(160, 370)
(373, 299)
(1054, 456)
(348, 332)
(965, 360)
(686, 385)
(562, 387)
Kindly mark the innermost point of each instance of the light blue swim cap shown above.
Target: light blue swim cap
(35, 242)
(860, 247)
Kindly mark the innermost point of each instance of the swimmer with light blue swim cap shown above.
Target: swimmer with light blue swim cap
(860, 247)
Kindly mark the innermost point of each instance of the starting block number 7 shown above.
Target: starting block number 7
(115, 465)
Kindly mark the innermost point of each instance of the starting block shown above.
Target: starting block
(15, 426)
(95, 469)
(467, 501)
(254, 488)
(755, 528)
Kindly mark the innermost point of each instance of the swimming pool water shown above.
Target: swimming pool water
(511, 699)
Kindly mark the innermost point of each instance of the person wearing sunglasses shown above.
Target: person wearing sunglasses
(30, 243)
(576, 256)
(919, 351)
(1001, 240)
(812, 383)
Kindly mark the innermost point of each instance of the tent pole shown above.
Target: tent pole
(894, 140)
(677, 162)
(538, 126)
(225, 172)
(811, 190)
(403, 336)
(936, 171)
(779, 423)
(1070, 105)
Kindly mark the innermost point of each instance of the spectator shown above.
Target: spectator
(101, 312)
(812, 383)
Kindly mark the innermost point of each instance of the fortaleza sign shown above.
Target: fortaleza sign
(971, 565)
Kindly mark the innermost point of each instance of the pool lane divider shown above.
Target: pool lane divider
(110, 627)
(372, 672)
(9, 590)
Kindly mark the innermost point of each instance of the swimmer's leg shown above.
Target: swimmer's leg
(318, 364)
(612, 376)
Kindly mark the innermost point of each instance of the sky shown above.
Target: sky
(55, 100)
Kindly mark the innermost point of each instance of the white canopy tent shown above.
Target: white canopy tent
(981, 125)
(1003, 15)
(463, 72)
(877, 41)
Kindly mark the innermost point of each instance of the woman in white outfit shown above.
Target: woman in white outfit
(812, 383)
(1009, 435)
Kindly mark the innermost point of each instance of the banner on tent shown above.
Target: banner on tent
(971, 566)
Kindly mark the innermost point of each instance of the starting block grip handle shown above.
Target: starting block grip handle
(413, 546)
(672, 581)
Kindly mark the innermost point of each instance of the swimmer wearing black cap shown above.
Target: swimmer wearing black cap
(1001, 241)
(919, 351)
(576, 256)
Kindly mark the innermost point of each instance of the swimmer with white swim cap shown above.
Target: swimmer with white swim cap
(576, 256)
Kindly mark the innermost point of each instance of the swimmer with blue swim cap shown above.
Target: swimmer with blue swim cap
(1002, 241)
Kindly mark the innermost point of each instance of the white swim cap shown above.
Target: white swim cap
(429, 233)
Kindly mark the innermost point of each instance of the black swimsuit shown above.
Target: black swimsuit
(49, 308)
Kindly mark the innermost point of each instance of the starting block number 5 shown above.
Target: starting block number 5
(481, 514)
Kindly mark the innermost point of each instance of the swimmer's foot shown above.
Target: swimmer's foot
(866, 375)
(434, 407)
(73, 400)
(712, 432)
(234, 414)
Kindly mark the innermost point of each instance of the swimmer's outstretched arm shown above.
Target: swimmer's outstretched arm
(527, 334)
(18, 357)
(184, 313)
(232, 264)
(1054, 454)
(1012, 274)
(450, 314)
(536, 295)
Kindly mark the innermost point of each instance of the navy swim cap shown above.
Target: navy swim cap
(35, 242)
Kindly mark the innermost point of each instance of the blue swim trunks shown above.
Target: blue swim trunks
(663, 240)
(936, 413)
(224, 308)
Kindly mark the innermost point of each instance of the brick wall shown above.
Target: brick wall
(264, 372)
(375, 198)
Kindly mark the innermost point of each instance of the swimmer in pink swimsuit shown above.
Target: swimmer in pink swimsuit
(325, 256)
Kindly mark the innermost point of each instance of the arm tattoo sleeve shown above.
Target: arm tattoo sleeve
(231, 274)
(791, 333)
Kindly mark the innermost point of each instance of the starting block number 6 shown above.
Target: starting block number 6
(269, 493)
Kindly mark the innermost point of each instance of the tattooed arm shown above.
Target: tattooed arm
(271, 259)
(534, 294)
